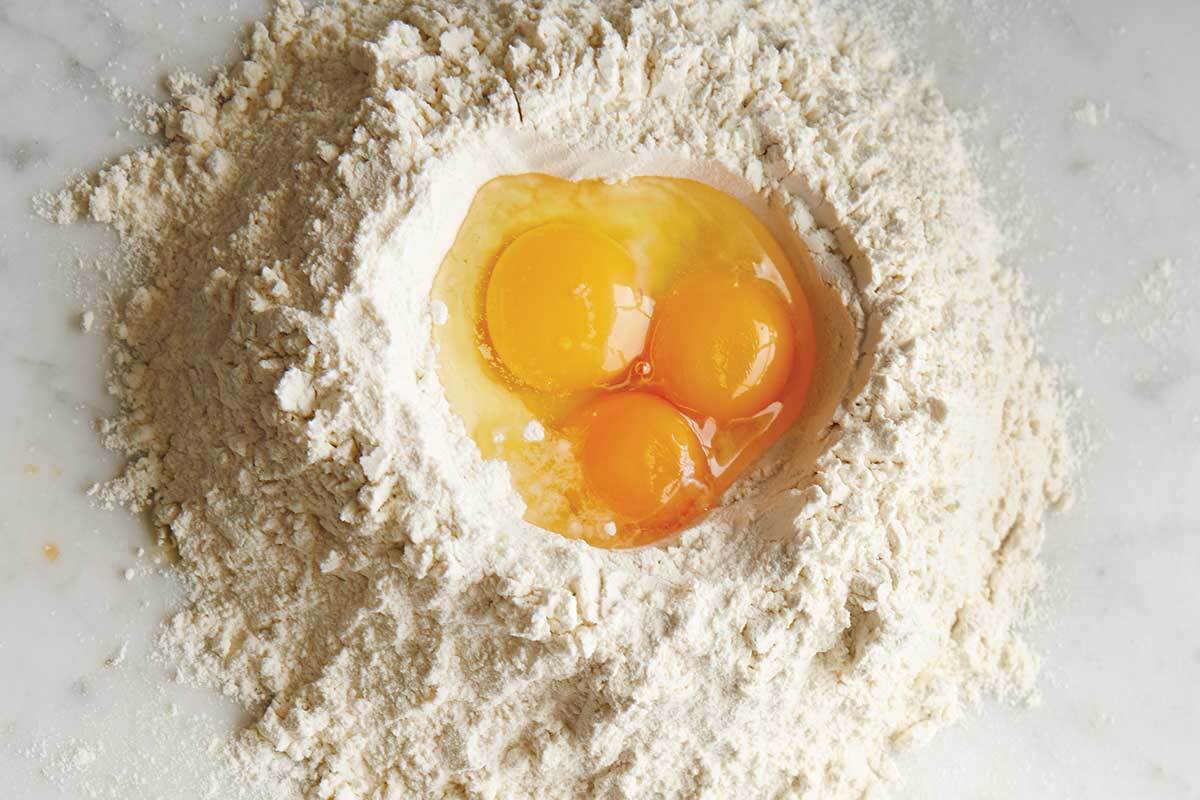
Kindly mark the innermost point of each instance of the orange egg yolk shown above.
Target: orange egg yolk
(723, 345)
(628, 349)
(641, 457)
(563, 310)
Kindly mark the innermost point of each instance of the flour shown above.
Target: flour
(1088, 112)
(363, 582)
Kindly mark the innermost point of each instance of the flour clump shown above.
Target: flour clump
(363, 582)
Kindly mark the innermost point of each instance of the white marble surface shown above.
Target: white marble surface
(1107, 202)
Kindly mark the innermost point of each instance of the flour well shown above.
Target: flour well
(363, 582)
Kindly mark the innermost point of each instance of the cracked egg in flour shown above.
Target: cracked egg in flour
(628, 349)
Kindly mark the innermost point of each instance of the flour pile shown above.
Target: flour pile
(362, 581)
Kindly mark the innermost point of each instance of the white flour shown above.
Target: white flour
(363, 582)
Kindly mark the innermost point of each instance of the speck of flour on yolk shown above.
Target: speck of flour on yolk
(652, 328)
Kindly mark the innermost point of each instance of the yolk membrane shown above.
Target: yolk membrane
(641, 457)
(563, 311)
(723, 345)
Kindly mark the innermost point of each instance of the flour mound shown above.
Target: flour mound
(363, 583)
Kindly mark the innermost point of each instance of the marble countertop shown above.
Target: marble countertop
(1090, 111)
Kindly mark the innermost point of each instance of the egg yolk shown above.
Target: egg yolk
(723, 344)
(563, 311)
(642, 459)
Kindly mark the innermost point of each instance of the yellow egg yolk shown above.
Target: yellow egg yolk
(641, 457)
(563, 311)
(627, 349)
(722, 345)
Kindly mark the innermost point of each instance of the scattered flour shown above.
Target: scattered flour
(118, 656)
(1091, 113)
(70, 757)
(363, 583)
(1157, 312)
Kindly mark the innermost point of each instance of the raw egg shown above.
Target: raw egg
(627, 349)
(642, 459)
(723, 344)
(563, 309)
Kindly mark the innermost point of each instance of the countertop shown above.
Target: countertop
(1089, 113)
